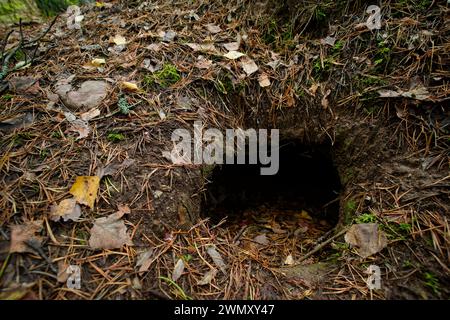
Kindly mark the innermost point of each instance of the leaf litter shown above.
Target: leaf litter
(85, 190)
(217, 258)
(67, 209)
(178, 270)
(24, 234)
(110, 232)
(367, 238)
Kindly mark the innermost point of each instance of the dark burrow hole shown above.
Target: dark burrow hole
(307, 185)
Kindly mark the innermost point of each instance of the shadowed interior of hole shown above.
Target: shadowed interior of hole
(306, 180)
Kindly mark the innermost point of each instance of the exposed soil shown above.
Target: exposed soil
(348, 155)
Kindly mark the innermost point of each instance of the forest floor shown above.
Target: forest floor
(88, 107)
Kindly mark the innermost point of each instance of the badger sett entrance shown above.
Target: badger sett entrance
(301, 197)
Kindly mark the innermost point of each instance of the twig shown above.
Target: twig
(5, 42)
(5, 60)
(321, 245)
(21, 37)
(45, 32)
(5, 69)
(40, 37)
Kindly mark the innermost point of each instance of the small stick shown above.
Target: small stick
(321, 245)
(5, 43)
(239, 234)
(45, 32)
(5, 59)
(40, 37)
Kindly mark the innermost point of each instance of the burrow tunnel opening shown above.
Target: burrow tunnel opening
(302, 195)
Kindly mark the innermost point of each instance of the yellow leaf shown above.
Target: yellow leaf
(130, 86)
(85, 190)
(98, 62)
(119, 40)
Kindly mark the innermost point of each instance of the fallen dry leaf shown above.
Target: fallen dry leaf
(109, 232)
(418, 93)
(203, 63)
(206, 47)
(289, 96)
(62, 275)
(328, 40)
(264, 80)
(192, 15)
(112, 168)
(305, 215)
(367, 238)
(23, 233)
(130, 86)
(217, 258)
(233, 55)
(52, 97)
(85, 190)
(232, 46)
(98, 62)
(144, 261)
(154, 47)
(20, 292)
(123, 209)
(81, 127)
(137, 285)
(63, 85)
(213, 28)
(89, 115)
(261, 239)
(29, 176)
(178, 270)
(207, 278)
(152, 65)
(119, 40)
(289, 260)
(274, 64)
(249, 66)
(168, 36)
(67, 209)
(95, 63)
(389, 94)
